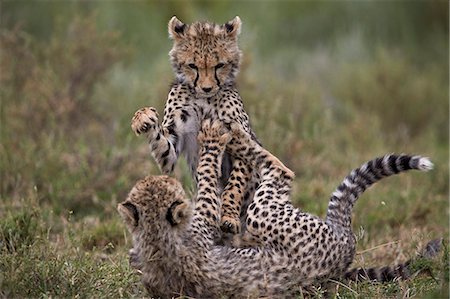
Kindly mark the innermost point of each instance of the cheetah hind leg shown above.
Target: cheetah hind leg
(247, 149)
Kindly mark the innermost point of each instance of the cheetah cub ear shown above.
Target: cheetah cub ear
(233, 27)
(177, 212)
(176, 28)
(129, 213)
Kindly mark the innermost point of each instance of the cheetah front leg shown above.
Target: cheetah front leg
(212, 139)
(162, 143)
(244, 147)
(233, 195)
(274, 186)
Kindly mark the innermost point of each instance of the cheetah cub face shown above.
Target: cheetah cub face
(205, 56)
(156, 203)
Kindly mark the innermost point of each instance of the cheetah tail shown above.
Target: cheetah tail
(343, 198)
(401, 271)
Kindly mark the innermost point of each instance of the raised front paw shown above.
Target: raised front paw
(230, 225)
(214, 132)
(144, 120)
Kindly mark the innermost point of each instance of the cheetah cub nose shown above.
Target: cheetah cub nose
(207, 89)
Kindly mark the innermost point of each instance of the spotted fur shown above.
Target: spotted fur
(205, 58)
(293, 249)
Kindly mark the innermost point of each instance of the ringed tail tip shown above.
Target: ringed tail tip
(425, 164)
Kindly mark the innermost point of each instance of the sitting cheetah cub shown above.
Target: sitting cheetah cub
(173, 237)
(205, 58)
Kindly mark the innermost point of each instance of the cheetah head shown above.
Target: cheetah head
(155, 204)
(204, 55)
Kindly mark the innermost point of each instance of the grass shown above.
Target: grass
(325, 91)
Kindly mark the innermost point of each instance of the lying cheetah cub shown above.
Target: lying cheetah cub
(205, 58)
(173, 239)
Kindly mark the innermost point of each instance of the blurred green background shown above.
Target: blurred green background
(327, 85)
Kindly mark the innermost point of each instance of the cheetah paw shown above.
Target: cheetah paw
(230, 225)
(144, 120)
(214, 132)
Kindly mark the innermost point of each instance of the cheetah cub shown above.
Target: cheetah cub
(205, 58)
(173, 238)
